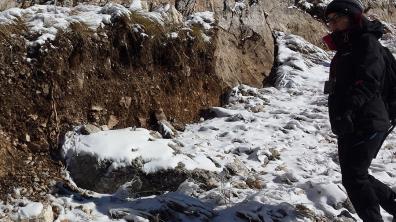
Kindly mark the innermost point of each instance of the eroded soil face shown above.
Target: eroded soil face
(115, 77)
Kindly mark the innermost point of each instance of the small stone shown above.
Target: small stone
(349, 206)
(89, 129)
(46, 89)
(235, 118)
(160, 115)
(113, 121)
(155, 135)
(33, 117)
(86, 209)
(142, 122)
(203, 129)
(47, 215)
(212, 183)
(237, 168)
(166, 129)
(275, 155)
(255, 183)
(257, 109)
(27, 137)
(96, 108)
(304, 212)
(239, 184)
(126, 101)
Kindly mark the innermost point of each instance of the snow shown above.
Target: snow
(279, 135)
(31, 210)
(238, 7)
(204, 19)
(136, 5)
(45, 21)
(309, 4)
(292, 123)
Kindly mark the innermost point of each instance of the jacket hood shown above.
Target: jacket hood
(374, 27)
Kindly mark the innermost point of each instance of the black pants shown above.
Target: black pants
(365, 192)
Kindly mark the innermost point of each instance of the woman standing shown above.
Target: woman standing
(357, 112)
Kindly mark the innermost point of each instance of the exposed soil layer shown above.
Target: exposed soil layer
(115, 77)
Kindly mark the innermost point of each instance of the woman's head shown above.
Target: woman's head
(343, 14)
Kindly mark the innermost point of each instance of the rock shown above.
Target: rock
(304, 212)
(112, 122)
(248, 216)
(239, 184)
(203, 129)
(96, 108)
(121, 213)
(89, 129)
(27, 137)
(47, 215)
(221, 112)
(174, 16)
(348, 205)
(212, 183)
(85, 208)
(166, 129)
(257, 109)
(135, 218)
(275, 155)
(130, 180)
(189, 188)
(34, 117)
(46, 89)
(255, 183)
(235, 118)
(169, 207)
(155, 135)
(160, 115)
(127, 190)
(236, 167)
(126, 101)
(142, 122)
(345, 216)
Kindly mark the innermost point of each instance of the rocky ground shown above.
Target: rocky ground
(98, 133)
(268, 155)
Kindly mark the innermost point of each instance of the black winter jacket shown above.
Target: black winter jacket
(357, 71)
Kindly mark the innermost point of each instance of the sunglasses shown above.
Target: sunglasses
(333, 19)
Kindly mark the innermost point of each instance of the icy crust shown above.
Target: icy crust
(46, 21)
(123, 146)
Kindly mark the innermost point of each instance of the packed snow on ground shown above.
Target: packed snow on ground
(280, 136)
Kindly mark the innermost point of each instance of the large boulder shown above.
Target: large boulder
(133, 162)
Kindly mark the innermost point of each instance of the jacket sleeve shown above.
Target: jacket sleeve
(368, 72)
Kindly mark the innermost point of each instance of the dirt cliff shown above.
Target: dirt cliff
(115, 77)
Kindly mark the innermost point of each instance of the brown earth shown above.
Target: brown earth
(83, 77)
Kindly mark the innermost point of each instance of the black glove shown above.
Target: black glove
(344, 123)
(393, 121)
